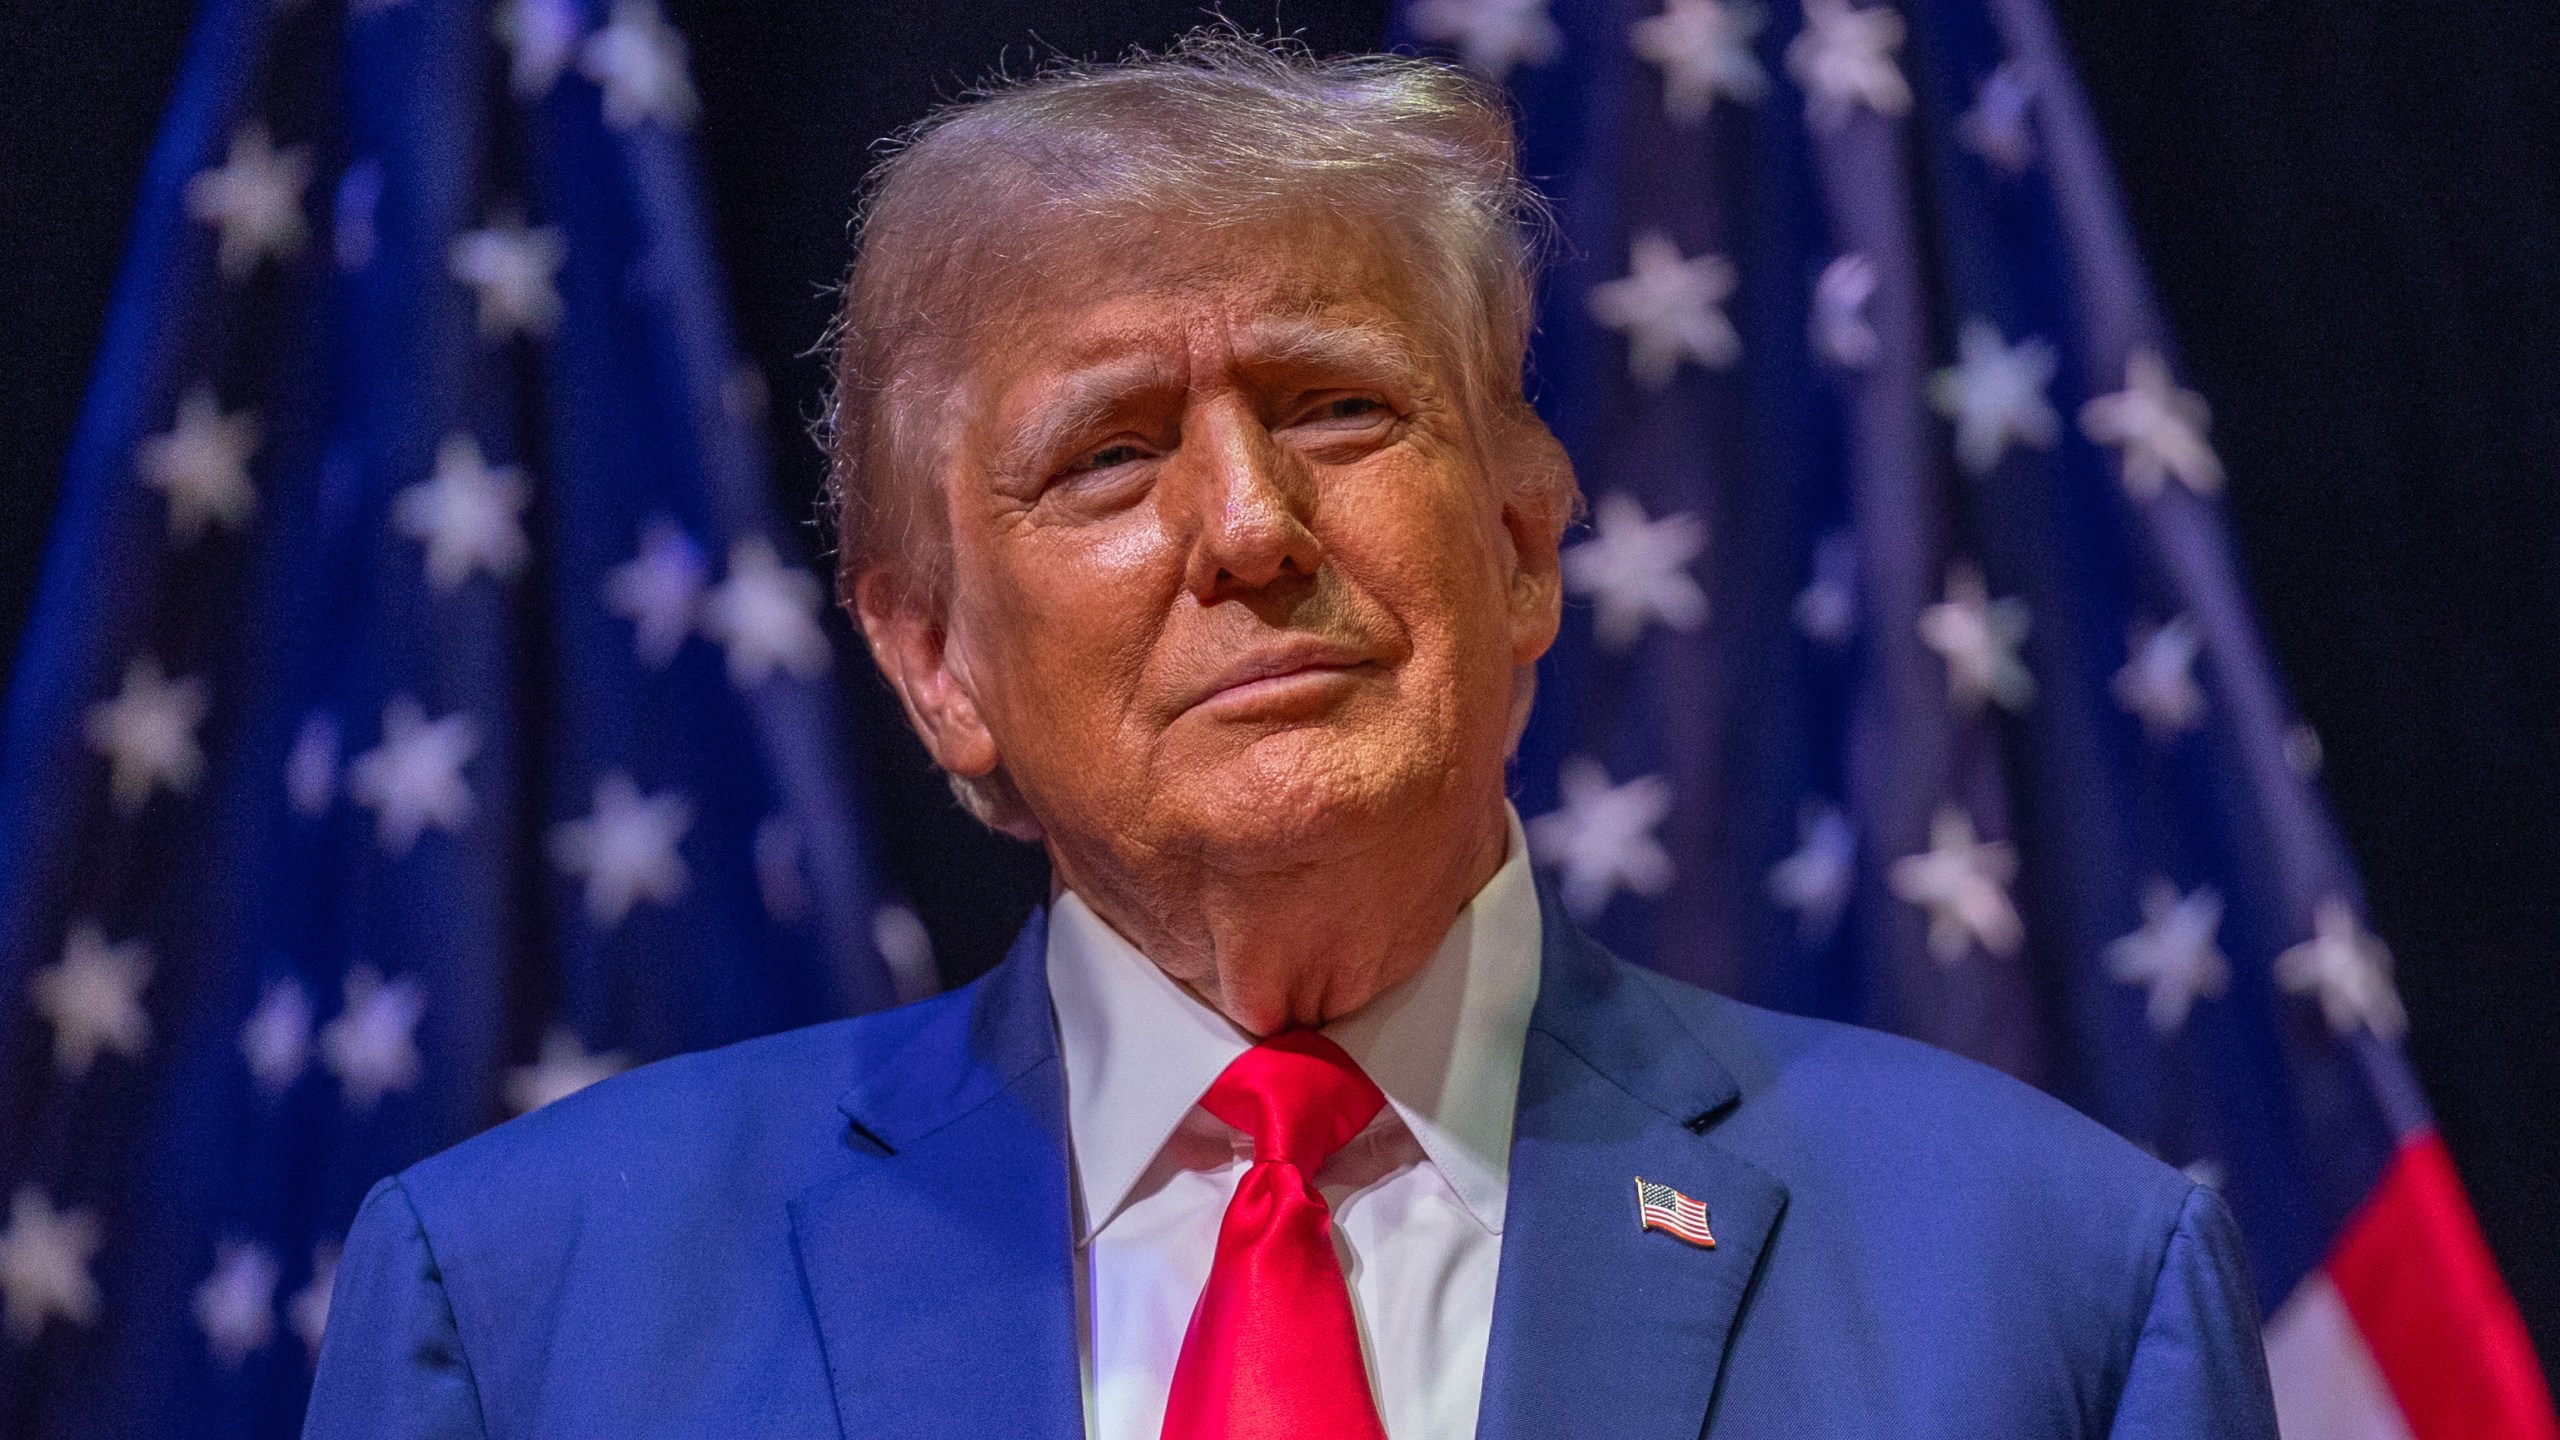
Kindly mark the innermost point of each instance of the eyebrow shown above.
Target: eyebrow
(1082, 398)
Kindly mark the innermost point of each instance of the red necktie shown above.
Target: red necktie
(1272, 1352)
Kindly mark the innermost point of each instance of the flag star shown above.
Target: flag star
(1491, 35)
(148, 734)
(1963, 882)
(1844, 58)
(1995, 394)
(626, 850)
(766, 614)
(202, 464)
(1826, 609)
(1815, 881)
(467, 515)
(1979, 638)
(541, 37)
(1704, 49)
(308, 1310)
(372, 1045)
(639, 59)
(1602, 836)
(2001, 125)
(2173, 953)
(413, 779)
(311, 767)
(907, 948)
(236, 1304)
(1670, 310)
(513, 270)
(1839, 327)
(255, 199)
(658, 591)
(276, 1038)
(1637, 570)
(2348, 969)
(2158, 427)
(2158, 681)
(93, 998)
(44, 1264)
(564, 1069)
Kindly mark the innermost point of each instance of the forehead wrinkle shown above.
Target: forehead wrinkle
(1365, 350)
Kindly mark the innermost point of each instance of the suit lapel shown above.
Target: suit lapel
(1599, 1326)
(939, 1266)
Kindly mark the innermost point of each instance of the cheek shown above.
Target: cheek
(1424, 547)
(1063, 631)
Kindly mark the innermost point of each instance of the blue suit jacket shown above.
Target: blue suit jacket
(863, 1229)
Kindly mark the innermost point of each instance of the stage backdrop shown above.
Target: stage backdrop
(1912, 682)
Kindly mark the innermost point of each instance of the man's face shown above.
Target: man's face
(1231, 575)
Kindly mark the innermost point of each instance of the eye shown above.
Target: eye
(1108, 456)
(1350, 407)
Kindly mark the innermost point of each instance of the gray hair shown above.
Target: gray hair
(1222, 128)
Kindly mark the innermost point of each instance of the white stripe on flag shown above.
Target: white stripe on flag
(2327, 1386)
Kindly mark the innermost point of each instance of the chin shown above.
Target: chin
(1306, 794)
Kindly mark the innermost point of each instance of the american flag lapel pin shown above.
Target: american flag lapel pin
(1659, 1207)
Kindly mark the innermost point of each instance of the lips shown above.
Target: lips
(1253, 673)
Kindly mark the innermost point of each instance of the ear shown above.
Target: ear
(911, 642)
(1539, 500)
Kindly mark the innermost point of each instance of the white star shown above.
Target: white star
(1995, 392)
(44, 1264)
(202, 464)
(564, 1069)
(2158, 681)
(778, 880)
(541, 37)
(413, 779)
(1964, 885)
(309, 1308)
(1979, 637)
(2159, 427)
(658, 591)
(1491, 35)
(236, 1304)
(1826, 609)
(2348, 969)
(255, 199)
(2173, 953)
(1669, 309)
(907, 947)
(766, 613)
(512, 268)
(2001, 125)
(372, 1046)
(1815, 880)
(1838, 327)
(148, 734)
(1602, 836)
(639, 60)
(1637, 570)
(276, 1038)
(1845, 58)
(311, 767)
(466, 514)
(626, 850)
(94, 998)
(1704, 49)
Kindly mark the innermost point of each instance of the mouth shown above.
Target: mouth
(1290, 676)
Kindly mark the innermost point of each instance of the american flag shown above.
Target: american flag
(424, 713)
(1659, 1207)
(1910, 680)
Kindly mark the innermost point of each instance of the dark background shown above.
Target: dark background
(2352, 208)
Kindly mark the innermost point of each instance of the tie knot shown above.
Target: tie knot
(1298, 1095)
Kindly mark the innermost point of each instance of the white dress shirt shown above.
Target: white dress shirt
(1417, 1197)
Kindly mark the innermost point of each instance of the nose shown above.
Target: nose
(1253, 503)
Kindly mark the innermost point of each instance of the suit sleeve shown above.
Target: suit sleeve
(391, 1363)
(2199, 1368)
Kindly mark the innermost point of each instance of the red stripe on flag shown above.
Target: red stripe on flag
(2418, 1278)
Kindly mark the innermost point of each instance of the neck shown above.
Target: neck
(1304, 944)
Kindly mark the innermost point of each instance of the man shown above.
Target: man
(1193, 509)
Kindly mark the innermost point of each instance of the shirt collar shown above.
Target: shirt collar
(1445, 1045)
